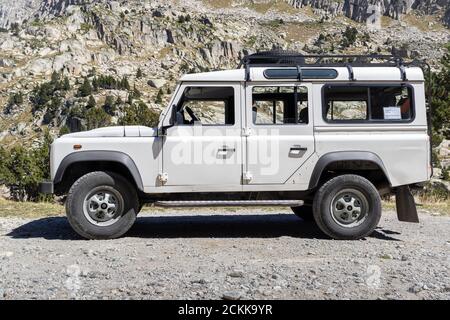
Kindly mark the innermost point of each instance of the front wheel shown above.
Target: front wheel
(347, 207)
(102, 205)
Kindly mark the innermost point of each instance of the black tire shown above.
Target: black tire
(124, 217)
(334, 219)
(305, 212)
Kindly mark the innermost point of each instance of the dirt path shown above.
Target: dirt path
(242, 254)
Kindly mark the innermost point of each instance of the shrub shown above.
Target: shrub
(85, 89)
(15, 99)
(22, 169)
(159, 97)
(349, 36)
(446, 174)
(91, 102)
(139, 73)
(139, 114)
(109, 106)
(97, 118)
(43, 93)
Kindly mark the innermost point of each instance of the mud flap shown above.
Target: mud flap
(406, 207)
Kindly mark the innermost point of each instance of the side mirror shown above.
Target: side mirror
(172, 121)
(173, 115)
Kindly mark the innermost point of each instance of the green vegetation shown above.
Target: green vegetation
(139, 73)
(349, 36)
(110, 105)
(21, 169)
(44, 93)
(15, 99)
(91, 102)
(96, 118)
(159, 96)
(446, 174)
(439, 85)
(85, 89)
(110, 83)
(139, 114)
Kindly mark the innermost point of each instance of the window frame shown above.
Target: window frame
(296, 87)
(295, 75)
(181, 101)
(369, 103)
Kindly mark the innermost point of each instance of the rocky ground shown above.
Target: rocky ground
(246, 254)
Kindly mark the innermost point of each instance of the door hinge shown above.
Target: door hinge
(246, 131)
(163, 177)
(247, 176)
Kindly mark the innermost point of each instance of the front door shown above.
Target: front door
(279, 131)
(204, 148)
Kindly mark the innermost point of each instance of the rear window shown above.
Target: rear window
(360, 103)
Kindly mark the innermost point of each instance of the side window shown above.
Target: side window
(368, 103)
(391, 103)
(206, 105)
(279, 105)
(346, 103)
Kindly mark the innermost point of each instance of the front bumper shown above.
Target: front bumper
(46, 187)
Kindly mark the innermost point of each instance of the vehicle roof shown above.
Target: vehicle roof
(369, 73)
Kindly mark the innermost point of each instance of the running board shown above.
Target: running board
(226, 203)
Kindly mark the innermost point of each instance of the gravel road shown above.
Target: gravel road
(224, 254)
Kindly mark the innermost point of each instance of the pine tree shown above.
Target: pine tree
(109, 106)
(85, 89)
(95, 84)
(91, 102)
(66, 84)
(55, 78)
(139, 73)
(124, 84)
(139, 114)
(159, 97)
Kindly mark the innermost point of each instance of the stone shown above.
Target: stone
(231, 295)
(156, 83)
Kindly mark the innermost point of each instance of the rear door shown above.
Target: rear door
(278, 131)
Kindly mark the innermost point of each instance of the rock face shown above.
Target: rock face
(360, 10)
(164, 39)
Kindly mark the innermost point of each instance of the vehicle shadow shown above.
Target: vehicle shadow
(191, 226)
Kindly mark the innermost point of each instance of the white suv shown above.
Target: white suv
(326, 137)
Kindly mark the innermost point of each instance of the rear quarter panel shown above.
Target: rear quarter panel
(402, 147)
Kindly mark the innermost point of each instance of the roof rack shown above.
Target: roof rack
(282, 58)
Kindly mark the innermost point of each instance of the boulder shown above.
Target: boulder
(156, 83)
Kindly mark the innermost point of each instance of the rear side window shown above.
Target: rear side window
(280, 105)
(376, 103)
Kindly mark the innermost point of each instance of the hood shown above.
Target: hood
(118, 131)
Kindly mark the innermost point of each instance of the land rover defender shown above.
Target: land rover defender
(324, 135)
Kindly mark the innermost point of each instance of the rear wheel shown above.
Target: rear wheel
(347, 207)
(102, 205)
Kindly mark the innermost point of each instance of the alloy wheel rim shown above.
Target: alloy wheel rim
(349, 208)
(103, 206)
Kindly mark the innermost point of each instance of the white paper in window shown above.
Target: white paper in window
(392, 113)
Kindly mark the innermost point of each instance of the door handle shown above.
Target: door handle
(226, 149)
(298, 148)
(297, 151)
(225, 152)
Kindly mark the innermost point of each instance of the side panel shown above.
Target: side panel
(204, 155)
(144, 152)
(402, 147)
(275, 152)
